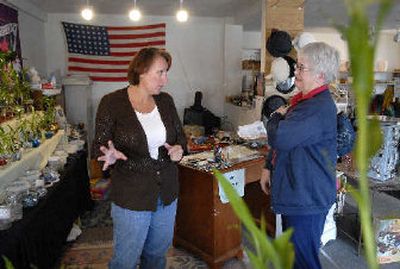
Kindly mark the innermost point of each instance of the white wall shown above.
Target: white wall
(232, 68)
(33, 46)
(386, 49)
(251, 40)
(31, 21)
(197, 48)
(331, 37)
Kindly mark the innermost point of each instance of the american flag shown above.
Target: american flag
(103, 52)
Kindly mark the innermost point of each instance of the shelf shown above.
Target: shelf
(251, 65)
(49, 92)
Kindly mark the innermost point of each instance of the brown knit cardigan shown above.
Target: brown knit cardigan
(137, 182)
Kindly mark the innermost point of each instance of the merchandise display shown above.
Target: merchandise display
(383, 165)
(220, 157)
(50, 220)
(37, 171)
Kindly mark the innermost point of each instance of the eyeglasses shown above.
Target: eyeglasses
(301, 68)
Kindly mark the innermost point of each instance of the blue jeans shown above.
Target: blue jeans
(144, 235)
(306, 238)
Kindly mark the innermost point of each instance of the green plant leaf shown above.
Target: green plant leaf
(255, 260)
(7, 263)
(285, 248)
(362, 53)
(374, 137)
(265, 253)
(237, 204)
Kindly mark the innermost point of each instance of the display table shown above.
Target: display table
(35, 158)
(204, 225)
(37, 240)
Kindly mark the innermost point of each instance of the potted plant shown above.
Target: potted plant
(48, 121)
(3, 138)
(35, 129)
(15, 146)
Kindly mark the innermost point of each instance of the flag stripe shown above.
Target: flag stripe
(128, 54)
(103, 66)
(136, 32)
(95, 74)
(95, 61)
(138, 44)
(151, 39)
(109, 79)
(104, 52)
(134, 36)
(133, 50)
(97, 70)
(144, 27)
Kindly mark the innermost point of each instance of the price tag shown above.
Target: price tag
(236, 178)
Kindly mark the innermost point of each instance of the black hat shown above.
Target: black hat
(271, 104)
(279, 43)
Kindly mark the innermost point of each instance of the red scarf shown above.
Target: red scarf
(300, 97)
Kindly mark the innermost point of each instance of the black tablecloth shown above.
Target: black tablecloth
(37, 240)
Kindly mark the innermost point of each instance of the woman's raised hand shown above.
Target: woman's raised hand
(111, 155)
(175, 152)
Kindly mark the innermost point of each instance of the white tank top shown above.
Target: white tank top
(154, 129)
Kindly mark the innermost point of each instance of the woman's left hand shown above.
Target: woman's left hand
(175, 152)
(282, 110)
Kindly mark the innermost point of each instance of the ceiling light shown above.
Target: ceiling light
(182, 15)
(87, 12)
(135, 14)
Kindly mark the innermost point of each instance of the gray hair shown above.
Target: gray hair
(323, 59)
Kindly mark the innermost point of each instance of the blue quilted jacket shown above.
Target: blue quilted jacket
(304, 161)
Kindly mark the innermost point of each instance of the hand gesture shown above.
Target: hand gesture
(265, 180)
(282, 110)
(111, 155)
(175, 152)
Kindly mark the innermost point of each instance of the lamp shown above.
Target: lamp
(135, 14)
(182, 15)
(87, 12)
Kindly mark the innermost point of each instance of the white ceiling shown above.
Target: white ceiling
(318, 13)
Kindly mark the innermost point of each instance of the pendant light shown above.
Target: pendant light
(87, 12)
(182, 15)
(135, 14)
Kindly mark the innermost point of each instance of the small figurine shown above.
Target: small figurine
(34, 75)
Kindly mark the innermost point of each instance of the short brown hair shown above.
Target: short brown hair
(142, 61)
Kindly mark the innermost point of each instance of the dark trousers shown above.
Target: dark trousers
(306, 238)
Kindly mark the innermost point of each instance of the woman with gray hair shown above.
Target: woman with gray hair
(303, 153)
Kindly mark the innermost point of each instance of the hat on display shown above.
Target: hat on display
(282, 71)
(279, 43)
(302, 40)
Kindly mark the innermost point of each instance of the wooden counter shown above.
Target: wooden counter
(208, 228)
